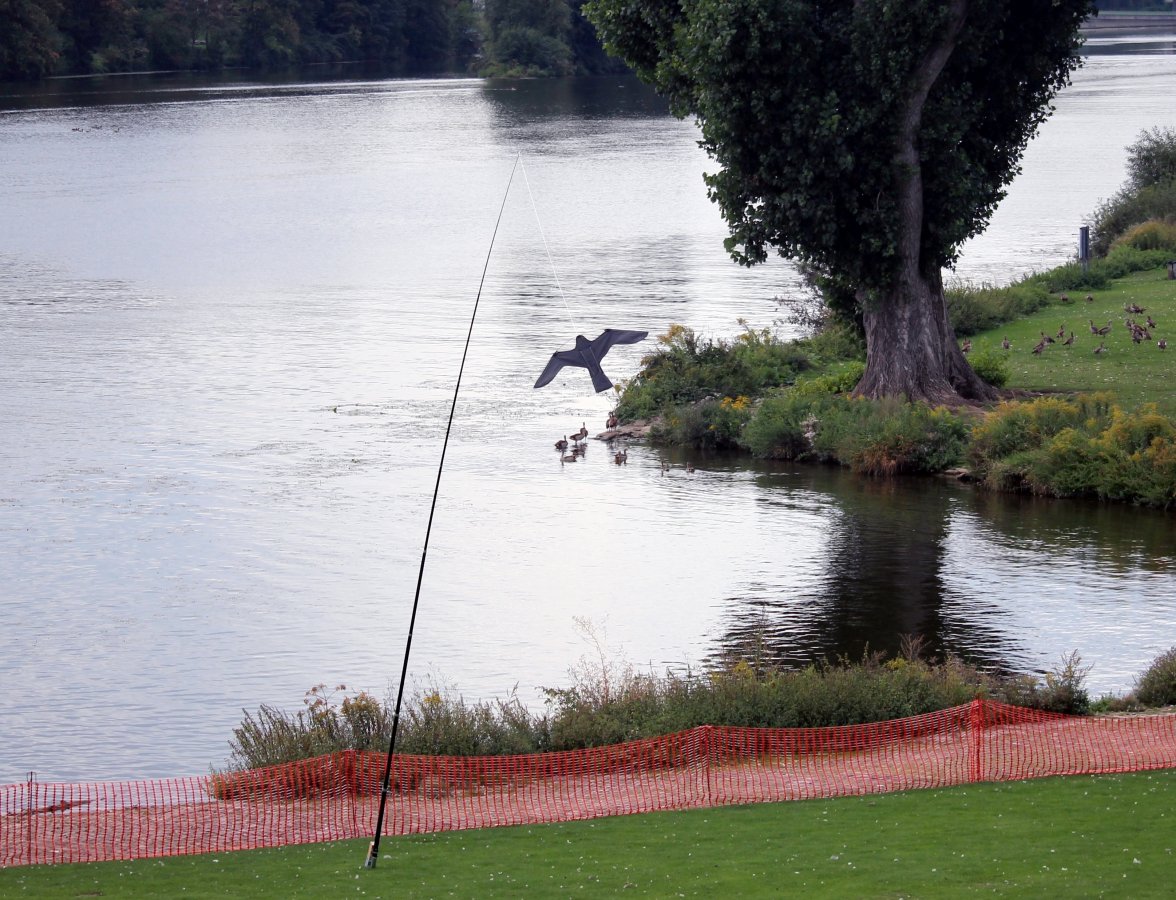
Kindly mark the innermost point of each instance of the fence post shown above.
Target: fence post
(32, 803)
(708, 750)
(351, 775)
(976, 744)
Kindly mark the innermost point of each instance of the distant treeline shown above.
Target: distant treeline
(39, 38)
(1134, 5)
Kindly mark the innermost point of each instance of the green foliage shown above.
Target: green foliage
(1151, 159)
(608, 701)
(1061, 690)
(528, 52)
(841, 379)
(437, 722)
(529, 37)
(842, 693)
(686, 369)
(873, 437)
(1157, 685)
(433, 721)
(710, 424)
(972, 309)
(29, 40)
(1150, 235)
(45, 37)
(991, 365)
(272, 736)
(1078, 448)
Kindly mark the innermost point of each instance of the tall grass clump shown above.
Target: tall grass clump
(874, 437)
(1157, 685)
(1086, 447)
(434, 721)
(1150, 235)
(329, 721)
(687, 368)
(1061, 690)
(820, 695)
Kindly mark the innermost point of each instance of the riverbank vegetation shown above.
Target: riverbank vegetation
(609, 701)
(1074, 423)
(405, 37)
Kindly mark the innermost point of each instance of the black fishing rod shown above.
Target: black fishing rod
(374, 849)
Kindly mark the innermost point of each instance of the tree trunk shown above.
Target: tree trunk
(910, 345)
(911, 348)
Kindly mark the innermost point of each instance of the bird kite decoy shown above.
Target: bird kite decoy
(588, 354)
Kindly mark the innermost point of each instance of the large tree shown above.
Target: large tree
(867, 139)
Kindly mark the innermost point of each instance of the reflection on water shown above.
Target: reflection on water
(230, 319)
(1008, 582)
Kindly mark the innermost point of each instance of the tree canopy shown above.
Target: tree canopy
(866, 138)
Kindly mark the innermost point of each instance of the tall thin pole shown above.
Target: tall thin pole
(374, 848)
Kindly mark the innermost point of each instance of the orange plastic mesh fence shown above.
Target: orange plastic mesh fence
(335, 797)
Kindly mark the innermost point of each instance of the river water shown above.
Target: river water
(231, 317)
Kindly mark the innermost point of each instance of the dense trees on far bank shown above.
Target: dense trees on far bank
(1133, 5)
(40, 38)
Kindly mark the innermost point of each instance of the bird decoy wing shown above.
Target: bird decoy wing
(610, 337)
(558, 361)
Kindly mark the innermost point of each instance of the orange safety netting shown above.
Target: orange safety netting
(335, 797)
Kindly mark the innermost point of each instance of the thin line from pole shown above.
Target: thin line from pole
(547, 249)
(374, 849)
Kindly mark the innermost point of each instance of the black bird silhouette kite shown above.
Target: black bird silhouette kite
(589, 353)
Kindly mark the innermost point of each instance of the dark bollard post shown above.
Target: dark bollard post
(1084, 247)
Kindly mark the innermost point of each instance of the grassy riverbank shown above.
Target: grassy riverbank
(1087, 415)
(1134, 373)
(1059, 837)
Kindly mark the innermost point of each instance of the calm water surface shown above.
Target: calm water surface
(231, 316)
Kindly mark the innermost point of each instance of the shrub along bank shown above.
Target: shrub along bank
(611, 703)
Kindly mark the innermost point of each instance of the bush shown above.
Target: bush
(784, 425)
(1127, 209)
(991, 365)
(1078, 448)
(434, 722)
(1017, 426)
(271, 737)
(1062, 690)
(753, 696)
(1151, 235)
(1151, 160)
(709, 425)
(686, 369)
(438, 722)
(872, 437)
(1157, 685)
(841, 380)
(972, 309)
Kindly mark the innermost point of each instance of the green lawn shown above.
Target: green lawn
(1135, 373)
(1060, 837)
